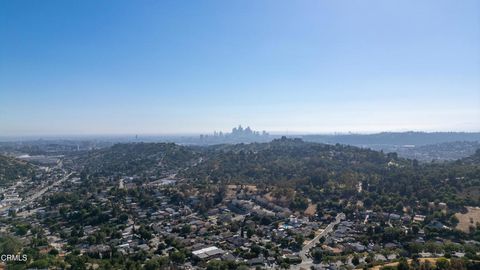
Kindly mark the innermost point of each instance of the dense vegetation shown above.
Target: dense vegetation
(131, 159)
(320, 171)
(290, 162)
(323, 170)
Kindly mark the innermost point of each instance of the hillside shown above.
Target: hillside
(473, 159)
(290, 161)
(11, 169)
(135, 158)
(321, 171)
(440, 151)
(317, 170)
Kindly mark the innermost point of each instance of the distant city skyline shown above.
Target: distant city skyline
(302, 67)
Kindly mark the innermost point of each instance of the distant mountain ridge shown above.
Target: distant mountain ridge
(395, 138)
(438, 152)
(423, 146)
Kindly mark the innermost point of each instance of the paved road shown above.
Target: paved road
(43, 190)
(307, 262)
(37, 194)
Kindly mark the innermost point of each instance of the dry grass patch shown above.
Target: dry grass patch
(470, 218)
(422, 260)
(311, 209)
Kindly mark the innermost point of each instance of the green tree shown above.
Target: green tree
(403, 264)
(442, 264)
(178, 257)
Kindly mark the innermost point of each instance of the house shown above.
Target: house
(394, 216)
(208, 253)
(419, 218)
(435, 224)
(256, 261)
(380, 257)
(293, 258)
(99, 251)
(358, 247)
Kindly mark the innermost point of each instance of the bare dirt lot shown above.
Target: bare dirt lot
(311, 209)
(470, 218)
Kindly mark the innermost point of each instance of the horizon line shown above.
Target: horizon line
(192, 134)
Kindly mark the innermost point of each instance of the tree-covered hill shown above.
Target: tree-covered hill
(290, 161)
(11, 169)
(471, 160)
(326, 171)
(319, 171)
(136, 158)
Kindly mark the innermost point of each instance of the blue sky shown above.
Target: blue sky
(164, 67)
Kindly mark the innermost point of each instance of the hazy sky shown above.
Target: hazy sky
(158, 67)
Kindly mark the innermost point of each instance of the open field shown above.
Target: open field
(378, 267)
(470, 218)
